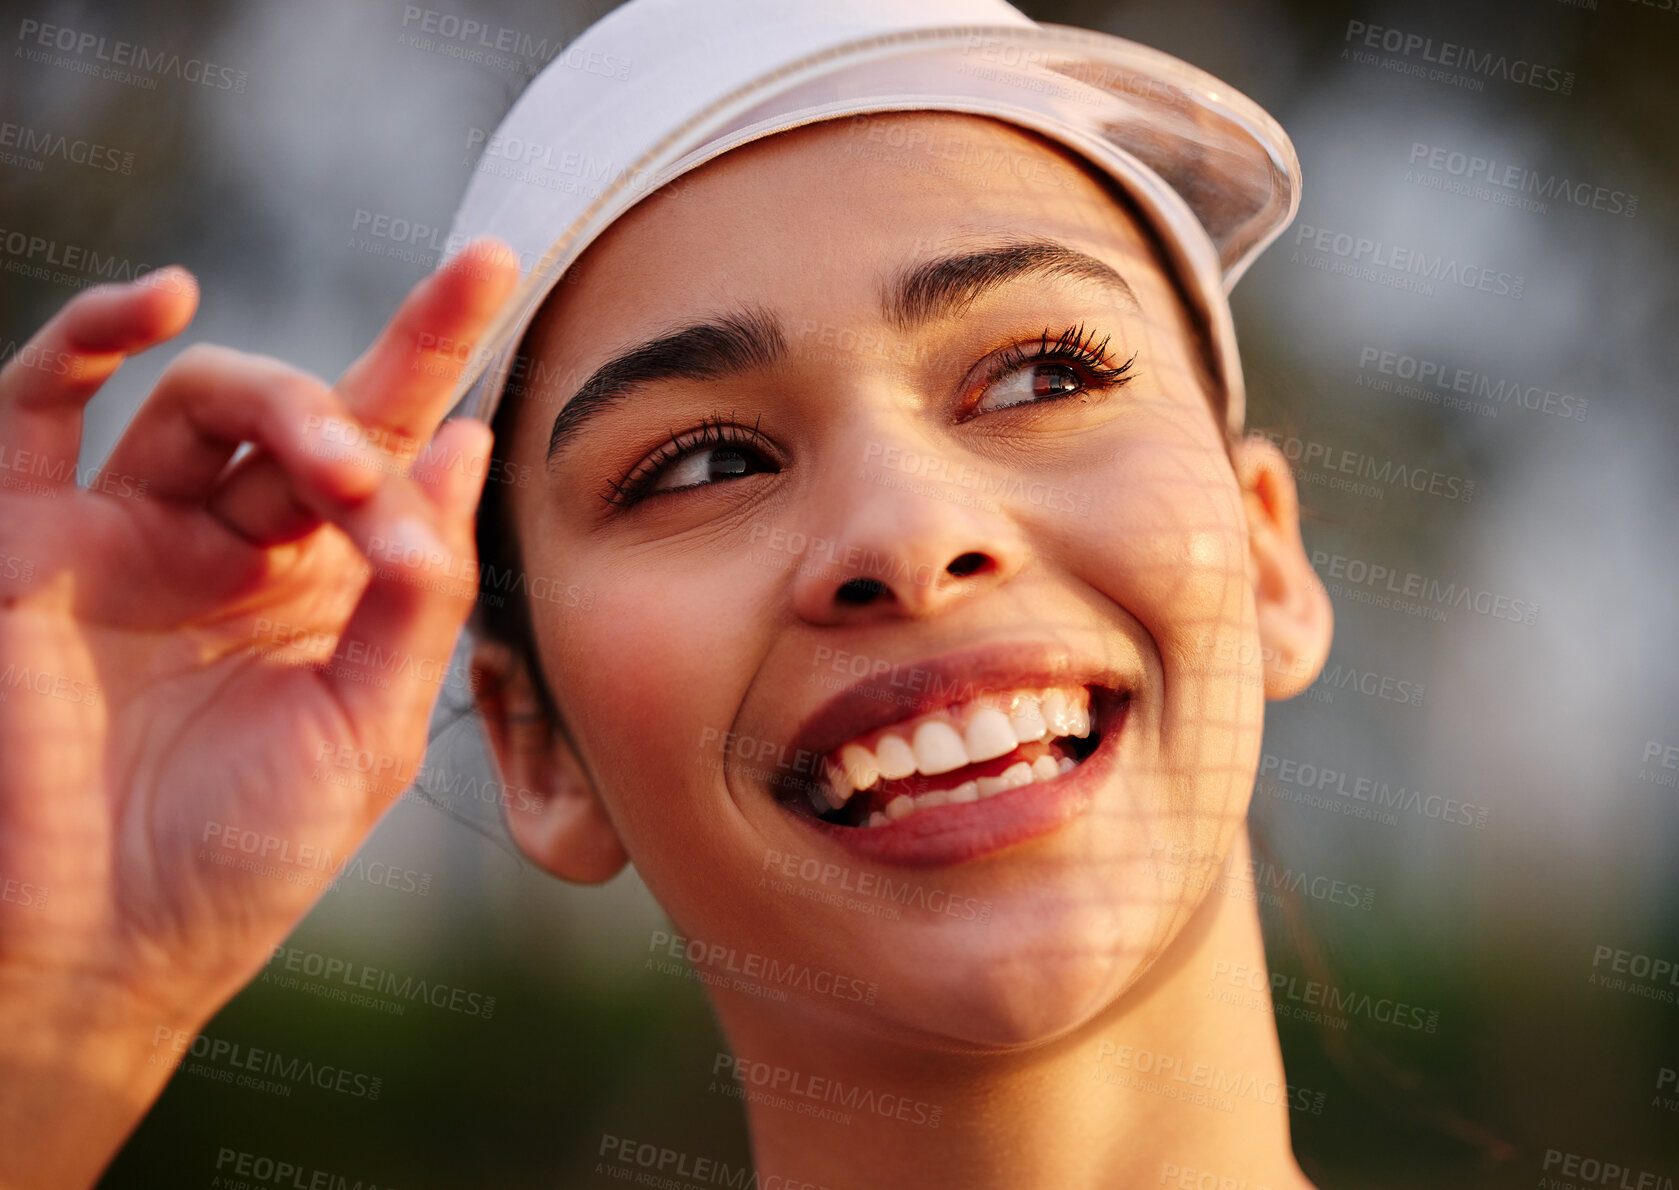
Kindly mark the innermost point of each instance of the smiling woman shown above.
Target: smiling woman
(1041, 722)
(924, 546)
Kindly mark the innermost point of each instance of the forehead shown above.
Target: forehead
(811, 223)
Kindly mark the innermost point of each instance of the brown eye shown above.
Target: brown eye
(710, 464)
(1033, 382)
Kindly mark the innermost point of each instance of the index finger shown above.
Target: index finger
(403, 382)
(399, 389)
(44, 387)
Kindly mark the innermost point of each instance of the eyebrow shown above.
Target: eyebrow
(752, 338)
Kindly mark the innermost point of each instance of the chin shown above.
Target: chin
(1018, 981)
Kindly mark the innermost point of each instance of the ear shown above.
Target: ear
(553, 811)
(1296, 621)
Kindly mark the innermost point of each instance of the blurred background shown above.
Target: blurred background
(1494, 748)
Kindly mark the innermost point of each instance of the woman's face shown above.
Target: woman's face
(888, 500)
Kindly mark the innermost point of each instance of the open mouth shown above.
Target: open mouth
(965, 752)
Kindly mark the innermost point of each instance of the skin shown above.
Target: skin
(164, 705)
(214, 615)
(1188, 574)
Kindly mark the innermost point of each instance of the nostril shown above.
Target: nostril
(860, 591)
(969, 563)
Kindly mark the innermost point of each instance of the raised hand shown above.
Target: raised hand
(181, 643)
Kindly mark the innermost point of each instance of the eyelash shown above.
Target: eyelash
(712, 431)
(1075, 346)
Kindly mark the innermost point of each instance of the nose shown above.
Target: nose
(897, 546)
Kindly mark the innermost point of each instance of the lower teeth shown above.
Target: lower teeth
(1045, 768)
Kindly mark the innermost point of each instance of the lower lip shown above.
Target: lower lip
(950, 834)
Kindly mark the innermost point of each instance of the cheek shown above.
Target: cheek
(632, 684)
(1170, 542)
(650, 682)
(1171, 552)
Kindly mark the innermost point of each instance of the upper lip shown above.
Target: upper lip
(906, 689)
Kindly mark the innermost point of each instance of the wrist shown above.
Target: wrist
(80, 1065)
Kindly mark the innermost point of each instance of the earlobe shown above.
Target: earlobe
(1296, 621)
(553, 811)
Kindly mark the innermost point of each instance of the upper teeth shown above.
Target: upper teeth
(947, 739)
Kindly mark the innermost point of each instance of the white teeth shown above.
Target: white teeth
(838, 789)
(860, 767)
(1044, 768)
(938, 748)
(989, 735)
(1027, 720)
(894, 757)
(1056, 713)
(954, 737)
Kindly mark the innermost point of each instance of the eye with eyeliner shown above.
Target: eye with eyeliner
(1075, 349)
(742, 450)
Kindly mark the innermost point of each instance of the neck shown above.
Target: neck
(1172, 1079)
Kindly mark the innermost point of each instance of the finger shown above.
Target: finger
(400, 387)
(404, 381)
(393, 658)
(44, 387)
(212, 399)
